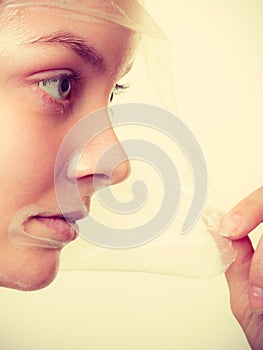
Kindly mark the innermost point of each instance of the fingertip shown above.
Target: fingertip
(245, 216)
(225, 234)
(231, 226)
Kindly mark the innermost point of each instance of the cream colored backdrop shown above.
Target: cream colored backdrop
(219, 83)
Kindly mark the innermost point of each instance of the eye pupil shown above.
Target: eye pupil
(65, 86)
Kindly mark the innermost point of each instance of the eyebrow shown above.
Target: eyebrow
(76, 44)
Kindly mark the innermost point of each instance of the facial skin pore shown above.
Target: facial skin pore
(56, 71)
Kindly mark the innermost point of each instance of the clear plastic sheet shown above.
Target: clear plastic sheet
(197, 254)
(185, 240)
(158, 225)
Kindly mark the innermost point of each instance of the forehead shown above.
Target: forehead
(128, 13)
(24, 25)
(37, 19)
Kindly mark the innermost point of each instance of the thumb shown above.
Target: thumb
(245, 216)
(238, 277)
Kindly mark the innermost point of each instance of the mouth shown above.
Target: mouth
(44, 229)
(55, 227)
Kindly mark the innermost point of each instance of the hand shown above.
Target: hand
(245, 275)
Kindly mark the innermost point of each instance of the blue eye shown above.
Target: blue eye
(57, 87)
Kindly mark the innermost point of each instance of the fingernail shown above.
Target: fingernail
(223, 233)
(256, 299)
(231, 224)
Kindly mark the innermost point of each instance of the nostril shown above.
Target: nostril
(100, 181)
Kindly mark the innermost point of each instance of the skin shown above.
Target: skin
(245, 276)
(33, 125)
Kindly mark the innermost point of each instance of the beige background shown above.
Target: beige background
(219, 85)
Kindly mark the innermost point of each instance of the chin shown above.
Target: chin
(32, 269)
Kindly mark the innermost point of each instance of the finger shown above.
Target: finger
(245, 216)
(238, 277)
(256, 280)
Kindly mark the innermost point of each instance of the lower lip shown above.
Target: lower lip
(64, 231)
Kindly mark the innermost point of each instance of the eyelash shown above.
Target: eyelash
(118, 89)
(64, 104)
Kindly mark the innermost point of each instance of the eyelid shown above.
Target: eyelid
(54, 74)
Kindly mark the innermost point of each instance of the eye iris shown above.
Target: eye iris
(65, 86)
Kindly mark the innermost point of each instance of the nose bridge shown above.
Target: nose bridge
(104, 155)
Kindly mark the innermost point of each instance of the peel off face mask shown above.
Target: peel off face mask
(160, 219)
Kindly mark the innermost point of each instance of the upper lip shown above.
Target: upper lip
(70, 217)
(17, 233)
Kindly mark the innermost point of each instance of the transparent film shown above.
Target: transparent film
(164, 218)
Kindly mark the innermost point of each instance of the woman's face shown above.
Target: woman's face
(55, 70)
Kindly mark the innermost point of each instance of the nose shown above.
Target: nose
(104, 159)
(89, 157)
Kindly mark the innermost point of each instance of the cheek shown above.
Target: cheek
(28, 150)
